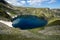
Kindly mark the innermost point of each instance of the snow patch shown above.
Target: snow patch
(7, 23)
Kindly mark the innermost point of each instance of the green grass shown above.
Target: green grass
(54, 21)
(17, 37)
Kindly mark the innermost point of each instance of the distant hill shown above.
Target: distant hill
(40, 12)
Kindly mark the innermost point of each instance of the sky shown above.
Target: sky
(36, 3)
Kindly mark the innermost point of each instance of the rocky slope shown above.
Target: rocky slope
(10, 33)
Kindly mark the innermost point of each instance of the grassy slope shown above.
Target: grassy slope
(7, 33)
(53, 20)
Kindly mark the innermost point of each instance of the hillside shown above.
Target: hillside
(8, 33)
(40, 12)
(36, 11)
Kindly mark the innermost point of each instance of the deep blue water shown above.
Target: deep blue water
(28, 22)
